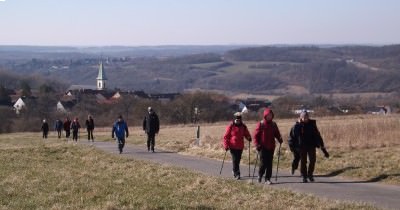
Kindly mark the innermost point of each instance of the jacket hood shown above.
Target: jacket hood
(267, 111)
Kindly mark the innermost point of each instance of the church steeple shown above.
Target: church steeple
(101, 78)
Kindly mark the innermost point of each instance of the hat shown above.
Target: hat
(237, 115)
(119, 116)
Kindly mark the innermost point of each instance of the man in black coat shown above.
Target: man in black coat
(304, 138)
(90, 128)
(151, 125)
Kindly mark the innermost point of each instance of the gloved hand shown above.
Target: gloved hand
(127, 135)
(112, 136)
(326, 154)
(226, 149)
(280, 141)
(258, 148)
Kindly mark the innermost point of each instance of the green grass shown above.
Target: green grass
(53, 174)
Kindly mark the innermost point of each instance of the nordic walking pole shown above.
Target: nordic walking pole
(254, 171)
(249, 158)
(277, 165)
(223, 162)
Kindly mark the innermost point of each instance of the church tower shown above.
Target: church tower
(101, 78)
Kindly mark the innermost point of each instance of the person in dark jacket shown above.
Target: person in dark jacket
(58, 127)
(75, 126)
(303, 141)
(67, 127)
(90, 128)
(45, 128)
(120, 129)
(264, 140)
(151, 125)
(234, 141)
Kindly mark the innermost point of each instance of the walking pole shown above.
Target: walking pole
(249, 158)
(277, 165)
(254, 171)
(223, 162)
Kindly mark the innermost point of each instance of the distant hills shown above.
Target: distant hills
(237, 69)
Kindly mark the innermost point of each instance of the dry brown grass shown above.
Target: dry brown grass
(53, 174)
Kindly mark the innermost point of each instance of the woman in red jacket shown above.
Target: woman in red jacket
(234, 141)
(264, 139)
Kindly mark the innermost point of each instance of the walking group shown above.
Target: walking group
(303, 140)
(69, 126)
(120, 131)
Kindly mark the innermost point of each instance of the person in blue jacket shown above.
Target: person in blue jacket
(120, 129)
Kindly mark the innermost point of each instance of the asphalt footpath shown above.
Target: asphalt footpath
(379, 195)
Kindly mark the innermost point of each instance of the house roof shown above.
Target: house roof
(102, 73)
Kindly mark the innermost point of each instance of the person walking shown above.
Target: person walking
(233, 141)
(151, 126)
(90, 128)
(304, 139)
(67, 127)
(120, 129)
(264, 140)
(58, 127)
(75, 126)
(45, 128)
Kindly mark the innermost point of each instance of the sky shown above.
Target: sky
(198, 22)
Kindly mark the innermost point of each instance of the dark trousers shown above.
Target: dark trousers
(151, 141)
(89, 134)
(45, 134)
(236, 157)
(311, 153)
(75, 135)
(59, 133)
(266, 157)
(296, 158)
(67, 133)
(121, 144)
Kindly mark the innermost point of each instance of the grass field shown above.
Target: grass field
(54, 174)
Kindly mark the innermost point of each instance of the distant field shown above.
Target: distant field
(54, 174)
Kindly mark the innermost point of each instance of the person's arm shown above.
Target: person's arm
(144, 123)
(157, 124)
(257, 136)
(277, 134)
(227, 137)
(126, 130)
(112, 132)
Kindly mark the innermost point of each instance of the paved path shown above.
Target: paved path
(380, 195)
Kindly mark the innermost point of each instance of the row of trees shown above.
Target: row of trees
(199, 107)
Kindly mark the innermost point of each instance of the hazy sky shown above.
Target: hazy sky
(198, 22)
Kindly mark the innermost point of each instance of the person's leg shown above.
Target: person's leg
(121, 144)
(311, 166)
(296, 160)
(268, 158)
(303, 163)
(153, 142)
(262, 165)
(236, 157)
(148, 141)
(91, 135)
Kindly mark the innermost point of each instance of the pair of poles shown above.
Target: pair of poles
(255, 165)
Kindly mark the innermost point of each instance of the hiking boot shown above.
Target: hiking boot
(305, 180)
(238, 176)
(311, 178)
(268, 182)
